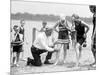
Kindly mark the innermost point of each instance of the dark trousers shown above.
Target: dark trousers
(37, 58)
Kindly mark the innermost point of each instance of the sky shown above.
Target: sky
(50, 8)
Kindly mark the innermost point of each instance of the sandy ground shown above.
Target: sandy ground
(22, 69)
(85, 60)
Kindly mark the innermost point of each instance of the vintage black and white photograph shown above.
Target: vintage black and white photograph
(52, 37)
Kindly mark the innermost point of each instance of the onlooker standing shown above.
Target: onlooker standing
(63, 34)
(93, 48)
(22, 31)
(73, 33)
(81, 29)
(16, 43)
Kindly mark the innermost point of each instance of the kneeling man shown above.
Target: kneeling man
(41, 45)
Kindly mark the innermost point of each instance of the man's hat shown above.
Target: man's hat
(22, 21)
(44, 22)
(49, 29)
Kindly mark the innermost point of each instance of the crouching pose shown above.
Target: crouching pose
(81, 33)
(40, 46)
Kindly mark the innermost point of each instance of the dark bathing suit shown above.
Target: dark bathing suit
(63, 32)
(17, 48)
(21, 31)
(80, 30)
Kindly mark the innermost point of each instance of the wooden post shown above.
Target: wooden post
(33, 35)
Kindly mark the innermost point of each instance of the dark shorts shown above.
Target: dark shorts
(80, 40)
(63, 34)
(17, 49)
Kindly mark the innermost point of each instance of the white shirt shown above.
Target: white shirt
(43, 29)
(43, 42)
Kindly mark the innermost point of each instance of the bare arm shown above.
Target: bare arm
(86, 25)
(73, 25)
(66, 25)
(56, 26)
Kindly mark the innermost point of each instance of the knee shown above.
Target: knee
(66, 46)
(77, 45)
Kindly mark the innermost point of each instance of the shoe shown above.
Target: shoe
(47, 62)
(77, 65)
(93, 64)
(12, 65)
(17, 65)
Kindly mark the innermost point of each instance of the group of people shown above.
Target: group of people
(44, 42)
(17, 41)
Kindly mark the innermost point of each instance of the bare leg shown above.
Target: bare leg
(14, 58)
(66, 47)
(80, 51)
(18, 55)
(22, 53)
(93, 48)
(11, 55)
(73, 44)
(74, 41)
(77, 54)
(58, 55)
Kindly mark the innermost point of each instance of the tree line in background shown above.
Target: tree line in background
(45, 17)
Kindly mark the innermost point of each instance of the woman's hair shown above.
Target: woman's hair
(93, 7)
(75, 16)
(15, 26)
(44, 22)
